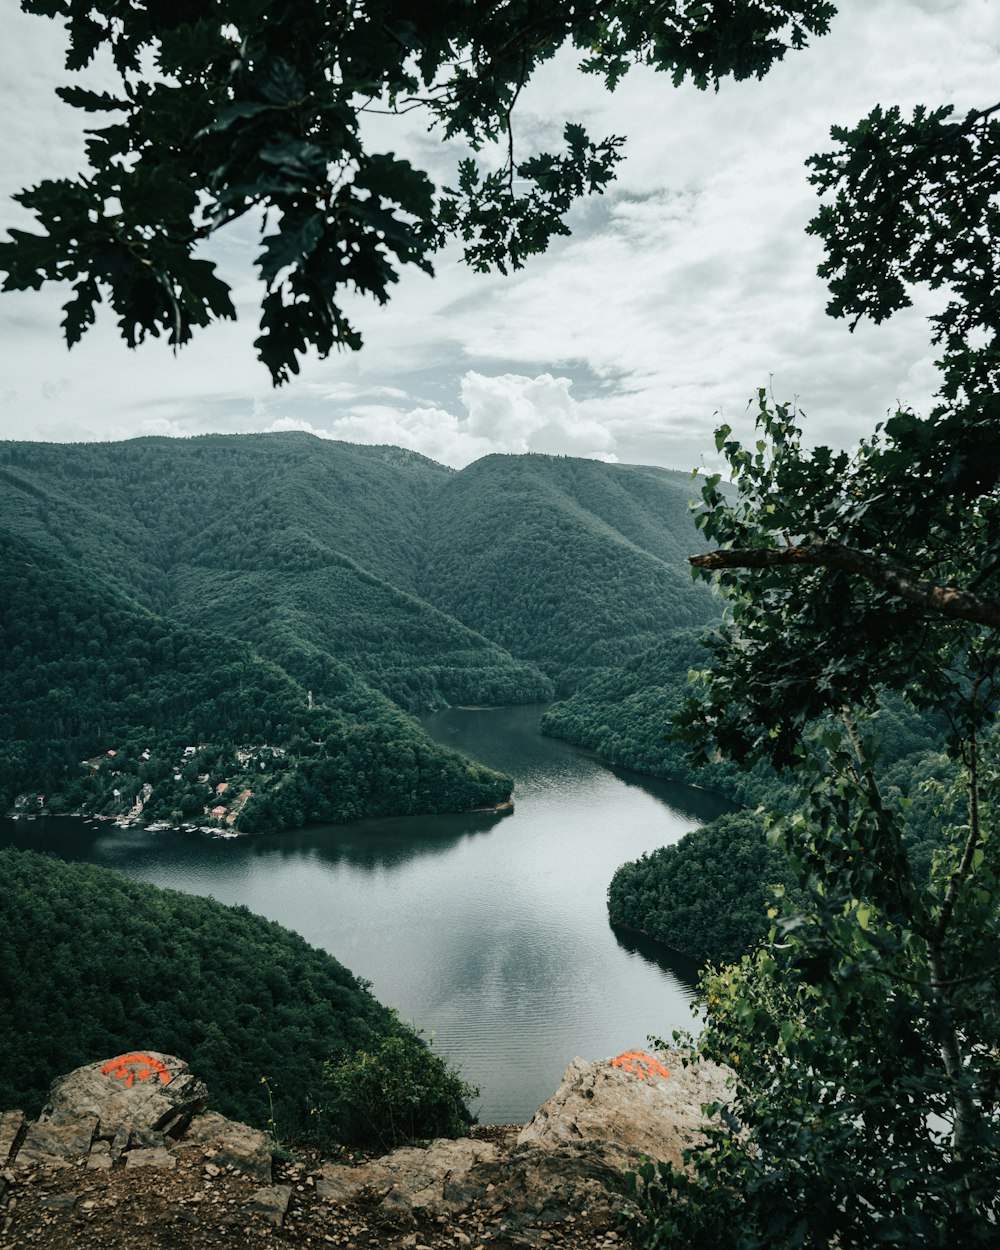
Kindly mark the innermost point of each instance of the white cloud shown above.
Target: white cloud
(533, 414)
(681, 291)
(504, 413)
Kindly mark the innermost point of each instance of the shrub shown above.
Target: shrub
(398, 1093)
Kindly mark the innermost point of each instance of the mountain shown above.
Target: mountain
(107, 707)
(359, 582)
(572, 564)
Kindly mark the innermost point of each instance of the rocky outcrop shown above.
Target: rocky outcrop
(134, 1130)
(571, 1156)
(634, 1104)
(132, 1111)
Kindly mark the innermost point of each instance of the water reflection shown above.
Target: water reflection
(373, 845)
(685, 969)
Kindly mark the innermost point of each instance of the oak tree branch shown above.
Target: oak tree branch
(950, 601)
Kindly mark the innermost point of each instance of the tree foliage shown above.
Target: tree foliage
(243, 107)
(706, 895)
(924, 190)
(865, 1037)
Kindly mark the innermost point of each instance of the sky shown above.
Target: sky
(683, 289)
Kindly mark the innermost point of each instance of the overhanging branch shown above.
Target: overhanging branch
(950, 601)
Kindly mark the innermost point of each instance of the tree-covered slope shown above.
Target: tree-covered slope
(95, 964)
(708, 894)
(573, 564)
(104, 705)
(433, 585)
(321, 602)
(624, 714)
(273, 539)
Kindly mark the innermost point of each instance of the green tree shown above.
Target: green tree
(254, 107)
(866, 1037)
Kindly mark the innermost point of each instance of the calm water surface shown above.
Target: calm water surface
(488, 932)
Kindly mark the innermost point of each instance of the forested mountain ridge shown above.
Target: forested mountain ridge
(106, 707)
(577, 565)
(547, 557)
(358, 572)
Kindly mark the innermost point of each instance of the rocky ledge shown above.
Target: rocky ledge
(125, 1154)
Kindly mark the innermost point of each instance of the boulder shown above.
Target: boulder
(635, 1104)
(436, 1179)
(539, 1185)
(271, 1202)
(231, 1144)
(150, 1157)
(142, 1092)
(57, 1142)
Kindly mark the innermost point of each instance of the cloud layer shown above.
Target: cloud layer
(680, 292)
(503, 413)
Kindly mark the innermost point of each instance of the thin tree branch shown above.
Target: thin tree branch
(949, 601)
(972, 841)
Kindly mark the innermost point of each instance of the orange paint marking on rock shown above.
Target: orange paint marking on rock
(123, 1069)
(638, 1063)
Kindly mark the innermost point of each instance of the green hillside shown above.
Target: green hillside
(573, 564)
(114, 965)
(98, 696)
(624, 715)
(708, 894)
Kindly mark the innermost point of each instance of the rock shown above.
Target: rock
(48, 1142)
(60, 1202)
(432, 1180)
(537, 1184)
(272, 1203)
(100, 1156)
(631, 1108)
(11, 1127)
(232, 1144)
(119, 1144)
(142, 1092)
(150, 1157)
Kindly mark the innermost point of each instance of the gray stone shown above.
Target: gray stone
(11, 1127)
(47, 1142)
(537, 1184)
(150, 1157)
(60, 1202)
(271, 1202)
(142, 1091)
(227, 1142)
(119, 1144)
(631, 1108)
(434, 1180)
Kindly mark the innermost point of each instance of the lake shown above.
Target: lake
(488, 932)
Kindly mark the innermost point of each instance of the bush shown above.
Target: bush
(398, 1093)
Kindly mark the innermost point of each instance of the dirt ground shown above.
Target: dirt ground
(198, 1206)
